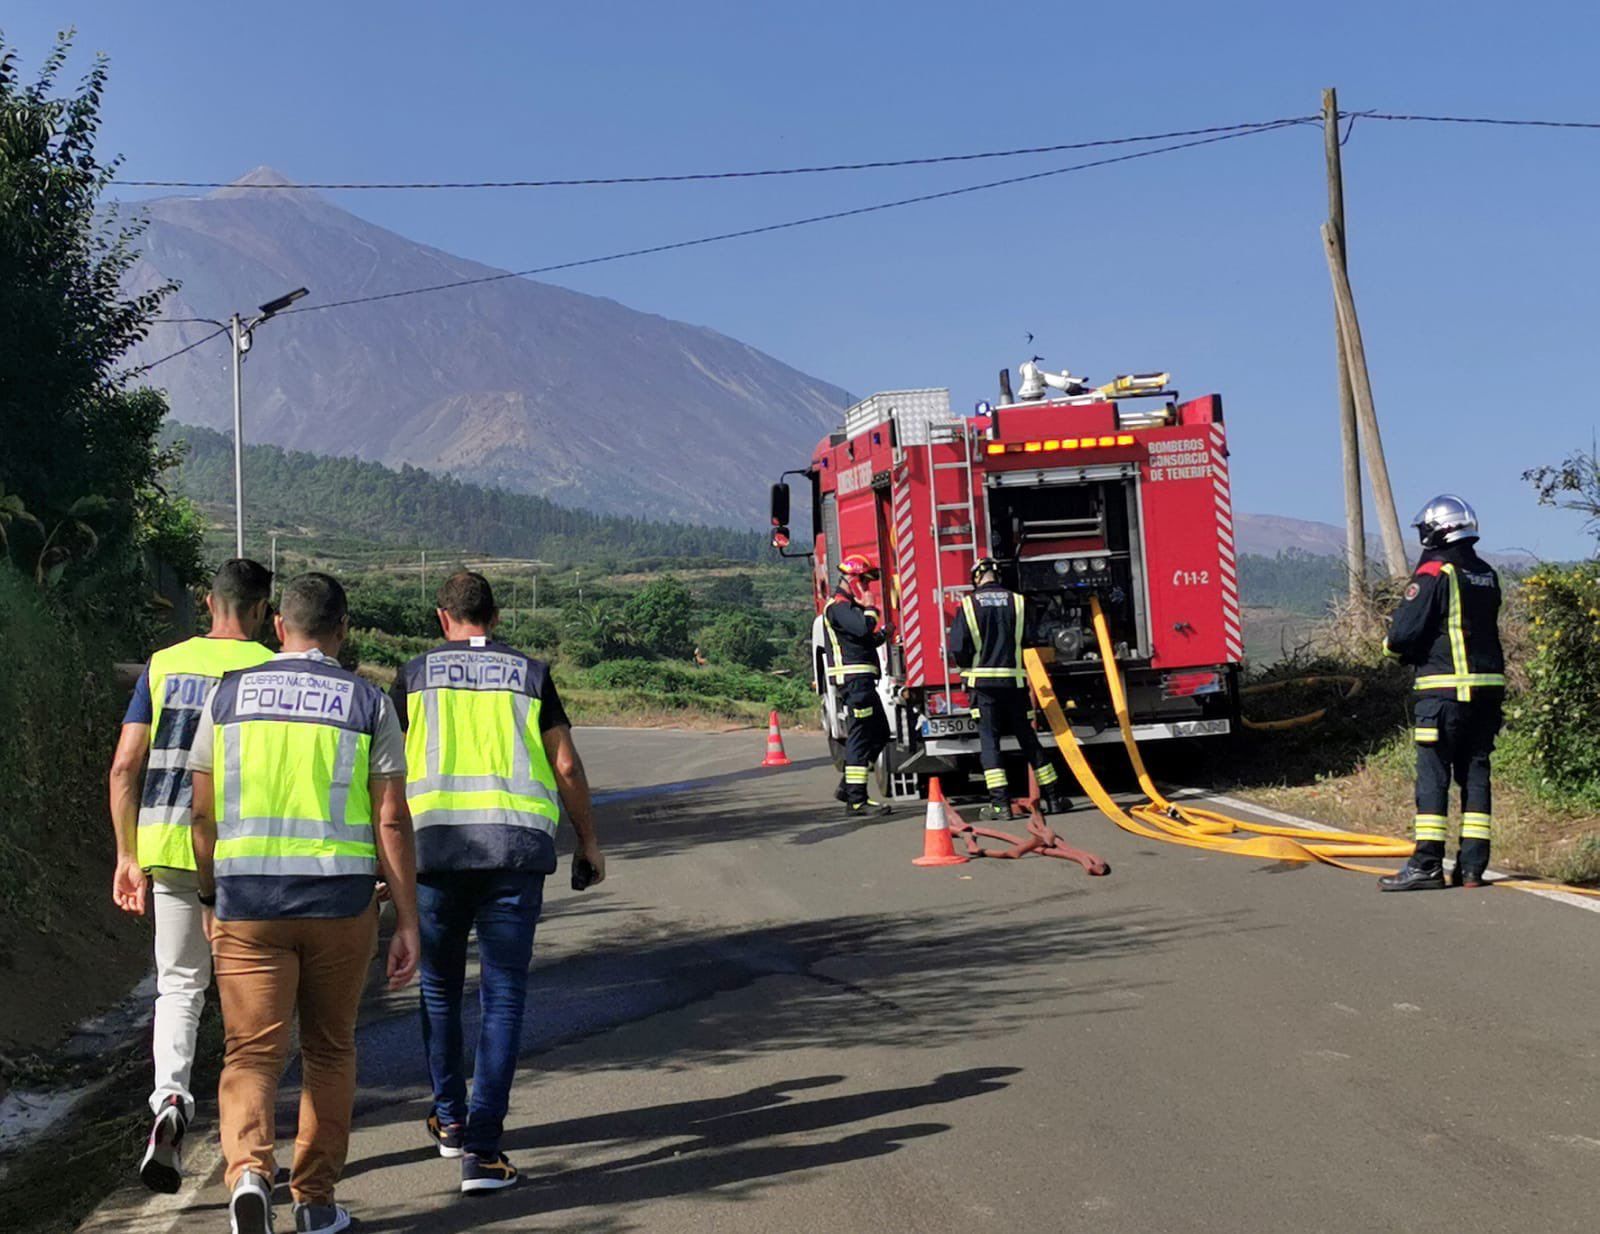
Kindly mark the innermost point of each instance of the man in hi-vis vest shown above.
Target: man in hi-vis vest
(155, 856)
(491, 763)
(299, 806)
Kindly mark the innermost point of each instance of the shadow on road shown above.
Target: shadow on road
(696, 1146)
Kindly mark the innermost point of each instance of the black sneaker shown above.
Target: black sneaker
(1414, 876)
(161, 1169)
(250, 1206)
(486, 1173)
(446, 1135)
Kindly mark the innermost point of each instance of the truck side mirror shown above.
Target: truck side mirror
(780, 504)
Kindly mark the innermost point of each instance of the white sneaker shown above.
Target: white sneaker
(162, 1166)
(250, 1206)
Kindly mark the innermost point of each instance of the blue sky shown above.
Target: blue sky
(1472, 250)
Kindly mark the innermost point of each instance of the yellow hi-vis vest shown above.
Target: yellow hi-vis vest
(291, 759)
(481, 790)
(182, 678)
(1012, 674)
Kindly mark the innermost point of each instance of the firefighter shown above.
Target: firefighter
(986, 640)
(854, 636)
(1446, 629)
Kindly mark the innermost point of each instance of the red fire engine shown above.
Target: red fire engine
(1119, 492)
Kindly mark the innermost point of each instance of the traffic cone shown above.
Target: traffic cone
(775, 755)
(937, 848)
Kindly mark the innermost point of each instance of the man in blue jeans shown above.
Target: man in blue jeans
(490, 763)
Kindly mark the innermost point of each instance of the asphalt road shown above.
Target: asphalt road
(768, 1019)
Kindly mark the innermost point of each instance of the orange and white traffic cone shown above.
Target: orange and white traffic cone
(775, 755)
(937, 848)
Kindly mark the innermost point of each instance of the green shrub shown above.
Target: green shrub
(664, 679)
(737, 638)
(59, 704)
(657, 617)
(390, 650)
(535, 632)
(1563, 605)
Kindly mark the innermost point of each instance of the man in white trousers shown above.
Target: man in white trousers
(150, 815)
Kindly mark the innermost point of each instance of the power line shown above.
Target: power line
(680, 178)
(1495, 120)
(145, 368)
(1271, 126)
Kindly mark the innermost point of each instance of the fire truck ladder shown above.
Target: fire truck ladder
(958, 538)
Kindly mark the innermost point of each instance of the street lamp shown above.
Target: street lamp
(239, 329)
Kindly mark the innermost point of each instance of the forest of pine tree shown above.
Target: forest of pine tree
(349, 499)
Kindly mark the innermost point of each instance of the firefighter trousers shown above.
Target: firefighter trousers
(1002, 712)
(1454, 740)
(866, 735)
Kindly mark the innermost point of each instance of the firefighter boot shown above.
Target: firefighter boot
(1471, 862)
(998, 809)
(867, 809)
(1053, 801)
(842, 794)
(1424, 871)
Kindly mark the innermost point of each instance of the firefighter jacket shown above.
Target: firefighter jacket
(1446, 627)
(987, 637)
(853, 638)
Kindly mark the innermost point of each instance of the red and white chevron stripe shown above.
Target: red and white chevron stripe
(1222, 497)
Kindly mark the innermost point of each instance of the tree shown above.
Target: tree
(1573, 484)
(81, 448)
(732, 591)
(737, 638)
(599, 625)
(657, 617)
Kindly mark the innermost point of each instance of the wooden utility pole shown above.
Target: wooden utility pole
(424, 589)
(1394, 549)
(1355, 524)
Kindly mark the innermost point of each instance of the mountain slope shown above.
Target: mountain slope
(514, 383)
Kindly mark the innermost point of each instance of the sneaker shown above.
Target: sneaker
(161, 1169)
(250, 1206)
(446, 1135)
(486, 1173)
(321, 1218)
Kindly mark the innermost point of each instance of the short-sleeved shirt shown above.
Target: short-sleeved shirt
(386, 758)
(551, 713)
(140, 709)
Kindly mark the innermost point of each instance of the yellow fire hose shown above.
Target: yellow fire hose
(1161, 819)
(1352, 687)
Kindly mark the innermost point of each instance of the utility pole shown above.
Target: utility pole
(513, 601)
(1355, 528)
(274, 567)
(424, 591)
(534, 574)
(1394, 549)
(236, 326)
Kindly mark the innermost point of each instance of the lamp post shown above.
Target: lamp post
(239, 330)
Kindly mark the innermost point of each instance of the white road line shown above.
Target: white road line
(1588, 904)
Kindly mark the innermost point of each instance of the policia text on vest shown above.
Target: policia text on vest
(299, 809)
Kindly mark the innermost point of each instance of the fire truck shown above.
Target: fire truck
(1119, 492)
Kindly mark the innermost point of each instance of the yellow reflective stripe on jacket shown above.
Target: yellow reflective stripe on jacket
(1458, 635)
(1426, 736)
(292, 799)
(838, 670)
(477, 757)
(1457, 681)
(1017, 675)
(189, 671)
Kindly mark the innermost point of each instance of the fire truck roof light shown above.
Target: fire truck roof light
(997, 447)
(1033, 447)
(1124, 439)
(1108, 441)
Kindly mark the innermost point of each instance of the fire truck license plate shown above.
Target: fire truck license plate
(949, 726)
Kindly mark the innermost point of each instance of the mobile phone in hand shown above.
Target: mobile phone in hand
(582, 872)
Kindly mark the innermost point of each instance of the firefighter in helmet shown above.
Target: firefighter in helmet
(986, 640)
(1445, 628)
(854, 636)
